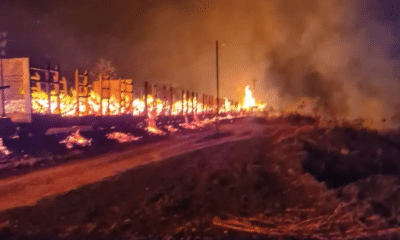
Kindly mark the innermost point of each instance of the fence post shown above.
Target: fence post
(145, 98)
(183, 104)
(172, 101)
(187, 102)
(77, 92)
(48, 83)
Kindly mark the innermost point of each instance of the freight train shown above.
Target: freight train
(36, 101)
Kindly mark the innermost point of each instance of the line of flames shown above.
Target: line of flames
(91, 105)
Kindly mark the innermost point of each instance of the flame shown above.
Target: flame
(249, 101)
(75, 139)
(66, 105)
(187, 124)
(122, 137)
(155, 130)
(196, 123)
(3, 149)
(152, 126)
(171, 129)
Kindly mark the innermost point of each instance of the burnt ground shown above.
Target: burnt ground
(292, 182)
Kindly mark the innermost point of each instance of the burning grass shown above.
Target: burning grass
(76, 140)
(3, 149)
(123, 137)
(171, 128)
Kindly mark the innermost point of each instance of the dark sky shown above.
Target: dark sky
(294, 48)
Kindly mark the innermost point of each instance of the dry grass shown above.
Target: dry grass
(341, 224)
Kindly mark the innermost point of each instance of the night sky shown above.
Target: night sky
(343, 52)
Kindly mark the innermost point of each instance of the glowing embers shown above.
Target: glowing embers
(208, 120)
(75, 139)
(171, 129)
(227, 117)
(13, 106)
(187, 124)
(196, 123)
(155, 131)
(3, 149)
(152, 126)
(122, 137)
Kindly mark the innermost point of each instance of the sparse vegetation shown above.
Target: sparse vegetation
(276, 186)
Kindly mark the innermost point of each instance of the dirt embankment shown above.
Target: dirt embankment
(236, 189)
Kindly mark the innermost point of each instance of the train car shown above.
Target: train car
(35, 100)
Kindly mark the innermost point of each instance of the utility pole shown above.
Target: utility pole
(2, 87)
(217, 123)
(3, 43)
(254, 86)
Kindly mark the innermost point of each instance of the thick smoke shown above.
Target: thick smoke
(334, 54)
(336, 51)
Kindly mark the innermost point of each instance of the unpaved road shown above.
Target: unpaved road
(252, 181)
(28, 189)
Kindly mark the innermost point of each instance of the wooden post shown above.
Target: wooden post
(183, 98)
(3, 105)
(155, 97)
(77, 92)
(109, 95)
(217, 123)
(48, 88)
(164, 99)
(58, 88)
(187, 102)
(120, 96)
(171, 104)
(86, 91)
(146, 86)
(197, 99)
(193, 97)
(101, 93)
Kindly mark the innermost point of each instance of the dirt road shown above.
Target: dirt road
(27, 189)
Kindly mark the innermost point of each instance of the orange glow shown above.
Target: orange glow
(248, 100)
(75, 139)
(122, 137)
(3, 149)
(152, 126)
(92, 105)
(171, 129)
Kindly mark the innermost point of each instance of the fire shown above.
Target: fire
(122, 137)
(171, 129)
(66, 104)
(249, 101)
(3, 149)
(152, 126)
(187, 124)
(75, 139)
(91, 105)
(155, 131)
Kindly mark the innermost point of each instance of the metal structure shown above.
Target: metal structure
(82, 91)
(2, 87)
(126, 93)
(217, 66)
(49, 81)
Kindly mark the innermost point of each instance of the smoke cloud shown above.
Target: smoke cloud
(339, 52)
